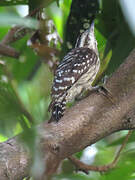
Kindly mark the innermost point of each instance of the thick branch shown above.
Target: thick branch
(84, 124)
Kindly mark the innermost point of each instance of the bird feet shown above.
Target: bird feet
(100, 89)
(104, 91)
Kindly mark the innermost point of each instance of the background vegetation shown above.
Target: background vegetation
(25, 81)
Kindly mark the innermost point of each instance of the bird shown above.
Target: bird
(75, 73)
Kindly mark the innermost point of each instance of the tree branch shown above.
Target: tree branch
(8, 51)
(86, 168)
(88, 121)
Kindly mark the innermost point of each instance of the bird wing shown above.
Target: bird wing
(72, 67)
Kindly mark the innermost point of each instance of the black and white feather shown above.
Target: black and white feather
(75, 73)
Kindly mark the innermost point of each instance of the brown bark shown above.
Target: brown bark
(8, 51)
(88, 121)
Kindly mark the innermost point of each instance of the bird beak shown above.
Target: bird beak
(91, 28)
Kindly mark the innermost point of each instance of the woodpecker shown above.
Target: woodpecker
(75, 73)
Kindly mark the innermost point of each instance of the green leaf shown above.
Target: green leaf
(3, 31)
(59, 14)
(121, 139)
(25, 64)
(121, 49)
(35, 93)
(10, 111)
(113, 27)
(74, 176)
(123, 170)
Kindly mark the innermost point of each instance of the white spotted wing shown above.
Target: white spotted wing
(77, 62)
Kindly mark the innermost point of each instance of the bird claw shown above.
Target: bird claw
(101, 89)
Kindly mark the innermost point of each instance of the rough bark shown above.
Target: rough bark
(90, 120)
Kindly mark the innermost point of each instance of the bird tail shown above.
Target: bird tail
(57, 109)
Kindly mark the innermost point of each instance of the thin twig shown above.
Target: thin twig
(86, 168)
(8, 51)
(10, 36)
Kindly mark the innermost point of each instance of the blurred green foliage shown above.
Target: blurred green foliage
(13, 19)
(28, 80)
(12, 2)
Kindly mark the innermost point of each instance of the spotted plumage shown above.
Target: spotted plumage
(75, 73)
